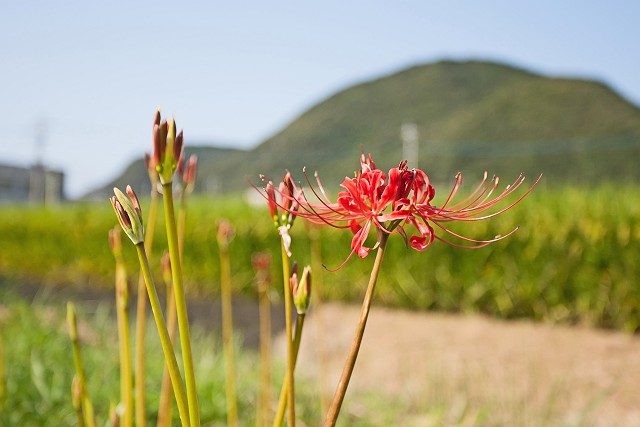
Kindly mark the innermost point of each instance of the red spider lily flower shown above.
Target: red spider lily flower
(474, 207)
(404, 198)
(362, 203)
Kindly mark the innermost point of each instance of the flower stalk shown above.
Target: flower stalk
(336, 403)
(262, 263)
(181, 305)
(167, 155)
(166, 398)
(141, 306)
(80, 397)
(224, 237)
(289, 379)
(301, 293)
(165, 340)
(122, 315)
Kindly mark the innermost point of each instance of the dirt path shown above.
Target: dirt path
(520, 373)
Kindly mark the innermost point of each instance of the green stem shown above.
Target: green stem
(227, 336)
(265, 350)
(166, 401)
(338, 397)
(141, 315)
(126, 396)
(282, 401)
(181, 305)
(291, 413)
(87, 406)
(165, 340)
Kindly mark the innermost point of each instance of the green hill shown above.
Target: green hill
(471, 116)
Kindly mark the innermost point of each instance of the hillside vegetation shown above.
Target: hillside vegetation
(471, 116)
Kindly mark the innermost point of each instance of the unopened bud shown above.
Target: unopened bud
(76, 393)
(271, 200)
(225, 233)
(114, 415)
(72, 321)
(129, 214)
(167, 149)
(301, 289)
(115, 241)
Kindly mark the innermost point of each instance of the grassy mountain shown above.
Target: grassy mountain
(470, 116)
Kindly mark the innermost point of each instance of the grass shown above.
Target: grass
(39, 371)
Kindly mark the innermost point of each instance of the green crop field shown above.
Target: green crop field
(573, 260)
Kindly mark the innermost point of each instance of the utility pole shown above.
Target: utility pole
(409, 136)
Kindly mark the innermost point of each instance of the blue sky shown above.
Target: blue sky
(235, 73)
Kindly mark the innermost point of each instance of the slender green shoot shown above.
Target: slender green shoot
(165, 340)
(289, 380)
(282, 401)
(181, 305)
(224, 236)
(141, 314)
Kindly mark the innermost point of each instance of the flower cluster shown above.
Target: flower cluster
(288, 203)
(396, 203)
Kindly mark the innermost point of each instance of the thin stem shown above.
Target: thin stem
(338, 397)
(282, 401)
(165, 340)
(166, 401)
(126, 385)
(141, 316)
(265, 350)
(181, 305)
(227, 336)
(86, 405)
(291, 414)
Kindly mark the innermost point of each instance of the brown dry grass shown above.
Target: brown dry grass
(471, 370)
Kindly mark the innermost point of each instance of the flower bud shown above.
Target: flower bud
(115, 241)
(167, 149)
(301, 290)
(76, 392)
(187, 172)
(72, 321)
(271, 200)
(150, 164)
(129, 214)
(225, 234)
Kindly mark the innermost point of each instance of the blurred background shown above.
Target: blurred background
(542, 87)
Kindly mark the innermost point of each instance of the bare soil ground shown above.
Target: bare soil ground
(459, 370)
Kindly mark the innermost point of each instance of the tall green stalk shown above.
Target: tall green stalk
(141, 314)
(227, 332)
(165, 340)
(126, 385)
(85, 401)
(262, 416)
(282, 401)
(166, 402)
(338, 397)
(181, 305)
(289, 380)
(166, 398)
